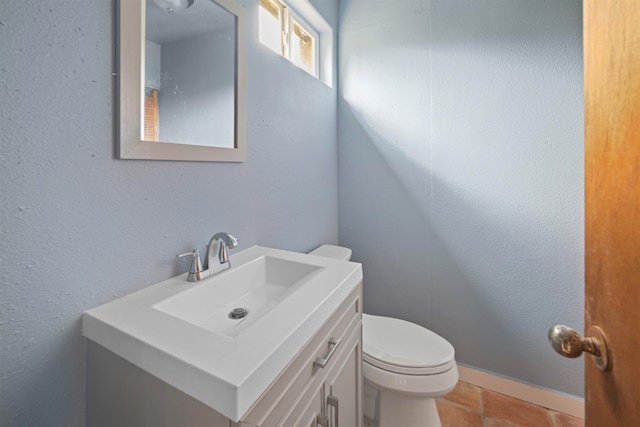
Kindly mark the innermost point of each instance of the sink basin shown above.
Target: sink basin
(181, 333)
(252, 289)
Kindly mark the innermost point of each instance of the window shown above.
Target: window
(150, 114)
(286, 33)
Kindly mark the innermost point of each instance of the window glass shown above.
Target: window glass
(270, 18)
(303, 48)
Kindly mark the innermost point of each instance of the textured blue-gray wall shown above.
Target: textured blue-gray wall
(79, 228)
(460, 134)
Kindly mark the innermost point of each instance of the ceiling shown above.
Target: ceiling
(202, 17)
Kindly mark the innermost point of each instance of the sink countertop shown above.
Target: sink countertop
(228, 374)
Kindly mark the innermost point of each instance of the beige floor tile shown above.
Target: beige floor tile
(452, 415)
(467, 395)
(490, 422)
(564, 420)
(515, 411)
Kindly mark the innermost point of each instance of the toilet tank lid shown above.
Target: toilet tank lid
(332, 251)
(401, 343)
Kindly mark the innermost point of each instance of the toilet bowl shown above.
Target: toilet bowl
(405, 367)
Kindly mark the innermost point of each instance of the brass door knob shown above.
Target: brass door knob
(568, 343)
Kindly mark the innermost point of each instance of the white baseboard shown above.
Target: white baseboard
(556, 401)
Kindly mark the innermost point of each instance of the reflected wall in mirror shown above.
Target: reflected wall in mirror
(183, 87)
(190, 74)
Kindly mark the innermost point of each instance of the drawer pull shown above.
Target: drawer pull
(333, 401)
(322, 362)
(322, 420)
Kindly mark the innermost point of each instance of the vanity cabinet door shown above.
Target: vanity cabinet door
(336, 395)
(308, 411)
(343, 388)
(295, 396)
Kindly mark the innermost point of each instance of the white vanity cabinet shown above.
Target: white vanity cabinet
(124, 395)
(336, 401)
(306, 393)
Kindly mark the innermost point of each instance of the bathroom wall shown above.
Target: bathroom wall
(460, 134)
(79, 228)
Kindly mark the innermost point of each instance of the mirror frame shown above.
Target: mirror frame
(130, 81)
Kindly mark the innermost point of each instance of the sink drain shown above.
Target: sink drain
(238, 313)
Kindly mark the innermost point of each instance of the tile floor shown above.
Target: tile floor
(471, 406)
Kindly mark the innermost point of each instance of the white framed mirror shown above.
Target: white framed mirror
(182, 80)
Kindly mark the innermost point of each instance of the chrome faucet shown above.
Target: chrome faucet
(216, 260)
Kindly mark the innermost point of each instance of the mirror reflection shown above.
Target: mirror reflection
(190, 73)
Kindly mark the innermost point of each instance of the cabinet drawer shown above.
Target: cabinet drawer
(295, 378)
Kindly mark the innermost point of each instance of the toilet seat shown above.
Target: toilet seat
(432, 386)
(403, 347)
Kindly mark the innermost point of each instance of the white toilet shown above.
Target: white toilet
(405, 366)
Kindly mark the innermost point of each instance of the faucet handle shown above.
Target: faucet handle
(224, 256)
(195, 271)
(231, 242)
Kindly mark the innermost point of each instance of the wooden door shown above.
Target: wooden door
(612, 216)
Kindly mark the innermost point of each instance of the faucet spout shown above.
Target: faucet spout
(217, 258)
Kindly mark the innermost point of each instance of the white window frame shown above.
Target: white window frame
(288, 16)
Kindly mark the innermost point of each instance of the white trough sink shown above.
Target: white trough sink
(255, 287)
(180, 331)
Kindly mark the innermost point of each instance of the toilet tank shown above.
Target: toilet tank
(334, 252)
